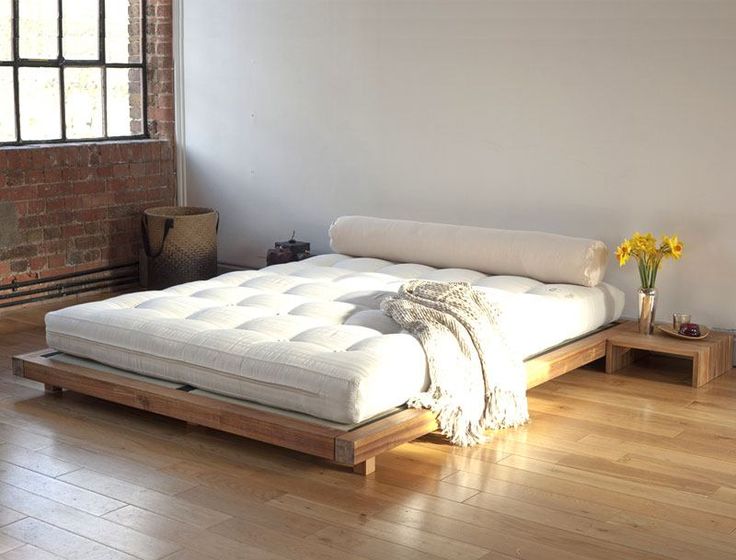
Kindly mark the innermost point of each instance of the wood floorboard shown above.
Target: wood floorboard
(206, 542)
(151, 500)
(64, 544)
(28, 552)
(635, 465)
(8, 516)
(34, 461)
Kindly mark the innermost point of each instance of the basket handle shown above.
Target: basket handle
(146, 236)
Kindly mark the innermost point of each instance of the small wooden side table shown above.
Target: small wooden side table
(711, 356)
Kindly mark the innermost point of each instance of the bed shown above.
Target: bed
(304, 345)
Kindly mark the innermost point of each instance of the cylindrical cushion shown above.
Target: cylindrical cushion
(546, 257)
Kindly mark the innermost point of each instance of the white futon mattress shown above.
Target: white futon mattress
(308, 336)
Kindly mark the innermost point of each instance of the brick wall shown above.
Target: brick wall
(74, 207)
(159, 37)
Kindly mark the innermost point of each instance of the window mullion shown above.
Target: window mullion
(16, 84)
(144, 61)
(103, 62)
(60, 56)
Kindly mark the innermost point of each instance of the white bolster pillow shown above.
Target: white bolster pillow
(547, 257)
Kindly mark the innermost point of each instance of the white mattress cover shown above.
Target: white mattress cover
(308, 336)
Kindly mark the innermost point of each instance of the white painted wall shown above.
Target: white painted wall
(591, 118)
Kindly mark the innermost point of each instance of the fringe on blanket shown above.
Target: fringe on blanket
(470, 391)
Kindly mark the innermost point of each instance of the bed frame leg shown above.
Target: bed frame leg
(366, 467)
(52, 388)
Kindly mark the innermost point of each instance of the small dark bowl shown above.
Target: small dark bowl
(690, 329)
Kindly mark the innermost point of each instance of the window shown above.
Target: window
(72, 70)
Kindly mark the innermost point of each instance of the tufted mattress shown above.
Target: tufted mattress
(308, 336)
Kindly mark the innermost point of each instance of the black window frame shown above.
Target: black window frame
(61, 63)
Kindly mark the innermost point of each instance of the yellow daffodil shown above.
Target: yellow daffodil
(672, 246)
(644, 244)
(643, 247)
(623, 252)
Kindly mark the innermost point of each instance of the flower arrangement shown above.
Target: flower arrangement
(649, 256)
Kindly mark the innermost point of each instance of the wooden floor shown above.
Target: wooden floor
(636, 465)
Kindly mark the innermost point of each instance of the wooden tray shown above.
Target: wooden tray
(704, 331)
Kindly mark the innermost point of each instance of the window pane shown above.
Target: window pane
(6, 30)
(40, 104)
(39, 31)
(123, 20)
(124, 102)
(83, 100)
(81, 29)
(7, 105)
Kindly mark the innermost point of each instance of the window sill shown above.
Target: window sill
(82, 144)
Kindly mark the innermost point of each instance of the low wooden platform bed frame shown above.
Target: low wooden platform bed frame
(356, 448)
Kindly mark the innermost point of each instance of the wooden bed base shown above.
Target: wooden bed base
(356, 448)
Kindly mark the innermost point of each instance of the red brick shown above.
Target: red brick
(35, 177)
(19, 266)
(90, 214)
(55, 189)
(137, 169)
(72, 230)
(89, 187)
(19, 158)
(74, 202)
(74, 173)
(23, 192)
(97, 200)
(56, 261)
(104, 171)
(51, 233)
(52, 175)
(58, 218)
(153, 168)
(34, 236)
(126, 197)
(53, 204)
(37, 263)
(37, 206)
(28, 222)
(19, 251)
(54, 247)
(109, 153)
(23, 276)
(52, 272)
(90, 242)
(121, 170)
(45, 158)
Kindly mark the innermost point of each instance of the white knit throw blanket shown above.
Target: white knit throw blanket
(476, 380)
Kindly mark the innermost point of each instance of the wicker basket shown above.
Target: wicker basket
(179, 245)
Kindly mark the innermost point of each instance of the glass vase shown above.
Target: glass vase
(647, 309)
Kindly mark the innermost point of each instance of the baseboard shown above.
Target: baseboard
(222, 267)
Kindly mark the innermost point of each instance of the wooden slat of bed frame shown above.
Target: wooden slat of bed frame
(357, 448)
(242, 420)
(377, 437)
(566, 358)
